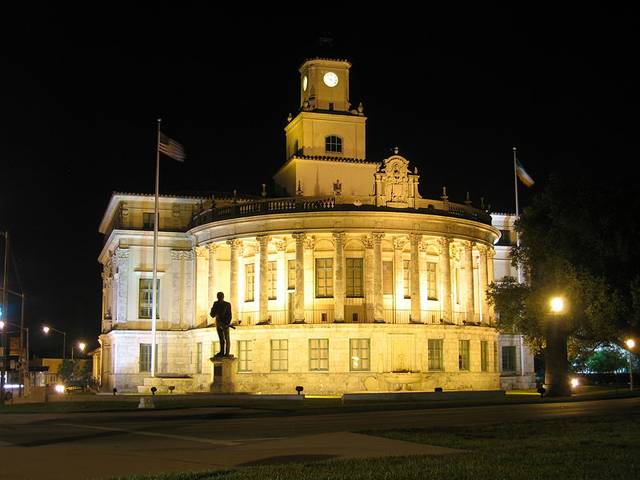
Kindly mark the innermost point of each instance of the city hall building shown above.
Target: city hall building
(345, 280)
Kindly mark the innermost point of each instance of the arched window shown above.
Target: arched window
(333, 143)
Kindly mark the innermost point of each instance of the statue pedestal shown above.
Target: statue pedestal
(223, 374)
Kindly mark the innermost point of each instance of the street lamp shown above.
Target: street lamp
(81, 346)
(631, 344)
(557, 305)
(46, 330)
(556, 374)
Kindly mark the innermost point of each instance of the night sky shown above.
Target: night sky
(80, 93)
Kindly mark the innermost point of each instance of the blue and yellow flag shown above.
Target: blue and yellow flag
(523, 175)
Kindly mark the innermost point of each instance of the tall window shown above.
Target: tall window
(147, 221)
(355, 272)
(319, 354)
(436, 355)
(463, 355)
(457, 285)
(495, 356)
(359, 354)
(432, 280)
(144, 360)
(249, 282)
(509, 359)
(145, 357)
(272, 277)
(244, 355)
(291, 274)
(145, 294)
(324, 277)
(387, 277)
(484, 356)
(279, 355)
(333, 143)
(199, 357)
(406, 278)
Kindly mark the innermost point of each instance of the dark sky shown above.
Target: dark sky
(80, 92)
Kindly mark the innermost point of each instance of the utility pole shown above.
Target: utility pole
(5, 337)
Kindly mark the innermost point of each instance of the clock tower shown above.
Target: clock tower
(326, 140)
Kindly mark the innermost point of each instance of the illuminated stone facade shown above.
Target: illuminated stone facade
(347, 281)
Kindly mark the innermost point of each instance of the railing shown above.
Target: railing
(326, 315)
(316, 204)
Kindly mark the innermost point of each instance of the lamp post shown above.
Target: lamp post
(81, 346)
(46, 330)
(631, 344)
(556, 380)
(24, 352)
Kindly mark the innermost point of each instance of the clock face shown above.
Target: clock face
(304, 83)
(330, 79)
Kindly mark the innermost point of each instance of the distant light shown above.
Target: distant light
(1, 324)
(45, 329)
(631, 343)
(575, 383)
(59, 388)
(82, 346)
(557, 304)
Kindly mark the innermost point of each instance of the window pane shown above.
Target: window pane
(291, 274)
(387, 277)
(145, 296)
(432, 281)
(333, 144)
(324, 277)
(355, 272)
(406, 274)
(359, 354)
(279, 355)
(484, 355)
(199, 357)
(272, 277)
(145, 357)
(319, 354)
(463, 355)
(244, 355)
(509, 359)
(249, 282)
(436, 355)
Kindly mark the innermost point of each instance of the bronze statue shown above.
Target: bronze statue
(221, 312)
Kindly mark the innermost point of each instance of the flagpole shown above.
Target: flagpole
(515, 186)
(154, 291)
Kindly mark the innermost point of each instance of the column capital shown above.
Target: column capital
(202, 252)
(281, 245)
(491, 252)
(415, 238)
(213, 247)
(482, 249)
(263, 240)
(468, 245)
(234, 243)
(368, 241)
(299, 236)
(339, 236)
(377, 237)
(399, 243)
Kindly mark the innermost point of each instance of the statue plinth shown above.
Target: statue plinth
(223, 374)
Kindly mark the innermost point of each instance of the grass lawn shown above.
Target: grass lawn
(582, 448)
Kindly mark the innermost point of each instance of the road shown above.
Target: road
(98, 445)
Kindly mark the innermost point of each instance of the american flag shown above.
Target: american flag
(171, 148)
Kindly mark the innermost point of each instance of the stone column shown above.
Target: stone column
(202, 285)
(212, 284)
(122, 258)
(398, 271)
(490, 279)
(482, 284)
(236, 251)
(309, 269)
(176, 292)
(369, 268)
(416, 308)
(468, 280)
(423, 248)
(282, 277)
(188, 294)
(263, 312)
(444, 290)
(378, 313)
(298, 309)
(338, 277)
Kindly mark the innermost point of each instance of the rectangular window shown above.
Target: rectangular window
(436, 355)
(249, 282)
(279, 355)
(495, 356)
(432, 280)
(324, 277)
(355, 272)
(463, 355)
(145, 294)
(145, 357)
(272, 283)
(319, 354)
(244, 355)
(387, 278)
(291, 274)
(509, 359)
(147, 221)
(359, 354)
(199, 357)
(457, 285)
(484, 356)
(406, 278)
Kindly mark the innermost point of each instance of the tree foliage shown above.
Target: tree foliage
(578, 240)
